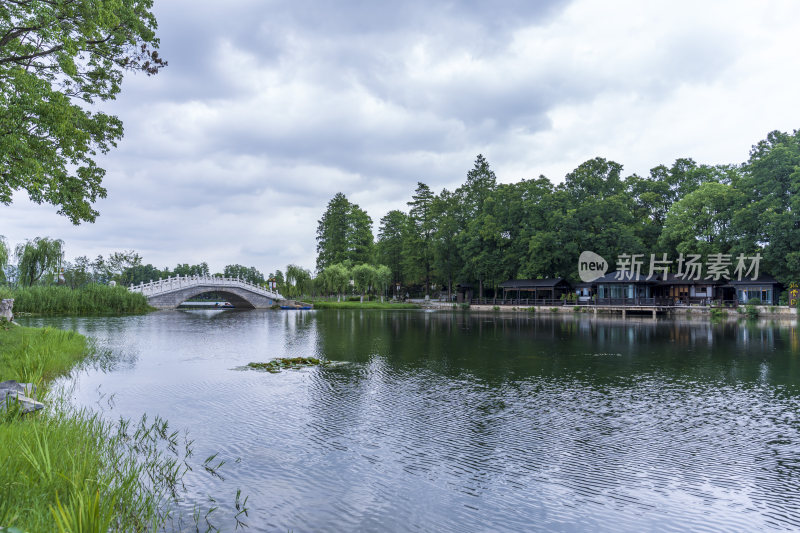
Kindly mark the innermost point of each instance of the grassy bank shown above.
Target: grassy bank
(34, 355)
(365, 305)
(68, 470)
(90, 300)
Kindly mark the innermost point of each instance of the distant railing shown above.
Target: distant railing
(616, 302)
(519, 301)
(177, 283)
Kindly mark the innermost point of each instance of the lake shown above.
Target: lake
(458, 421)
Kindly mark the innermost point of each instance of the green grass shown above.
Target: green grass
(90, 300)
(34, 355)
(69, 470)
(365, 305)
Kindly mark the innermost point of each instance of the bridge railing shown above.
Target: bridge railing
(174, 283)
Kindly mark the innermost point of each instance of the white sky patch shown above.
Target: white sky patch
(232, 153)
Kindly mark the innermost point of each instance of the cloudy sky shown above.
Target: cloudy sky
(267, 109)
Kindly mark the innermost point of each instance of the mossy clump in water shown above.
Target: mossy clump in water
(276, 365)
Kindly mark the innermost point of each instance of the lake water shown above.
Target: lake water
(440, 421)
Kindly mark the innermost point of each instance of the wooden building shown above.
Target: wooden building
(765, 288)
(535, 289)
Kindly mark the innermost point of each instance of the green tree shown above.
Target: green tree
(769, 217)
(383, 277)
(337, 279)
(332, 232)
(447, 259)
(79, 273)
(359, 235)
(280, 281)
(251, 274)
(344, 233)
(200, 269)
(654, 195)
(470, 198)
(297, 280)
(418, 237)
(363, 278)
(38, 260)
(700, 223)
(141, 274)
(480, 183)
(3, 258)
(57, 59)
(389, 248)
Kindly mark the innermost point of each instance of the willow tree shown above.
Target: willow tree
(57, 59)
(337, 279)
(383, 277)
(3, 257)
(38, 259)
(363, 278)
(297, 280)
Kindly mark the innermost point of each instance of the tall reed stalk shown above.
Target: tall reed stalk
(92, 299)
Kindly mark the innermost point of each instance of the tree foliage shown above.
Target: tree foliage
(487, 232)
(297, 282)
(251, 274)
(3, 258)
(38, 260)
(344, 233)
(389, 248)
(57, 59)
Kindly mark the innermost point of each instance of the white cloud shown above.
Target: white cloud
(232, 153)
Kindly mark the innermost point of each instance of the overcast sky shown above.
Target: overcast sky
(267, 109)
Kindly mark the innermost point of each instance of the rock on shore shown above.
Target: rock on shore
(13, 391)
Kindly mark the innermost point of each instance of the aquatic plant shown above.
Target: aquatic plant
(284, 363)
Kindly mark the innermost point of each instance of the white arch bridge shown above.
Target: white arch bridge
(171, 292)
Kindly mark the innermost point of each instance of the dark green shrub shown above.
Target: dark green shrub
(718, 313)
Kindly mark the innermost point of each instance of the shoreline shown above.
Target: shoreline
(764, 311)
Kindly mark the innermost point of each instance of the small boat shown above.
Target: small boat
(223, 305)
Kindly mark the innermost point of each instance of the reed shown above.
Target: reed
(34, 355)
(92, 299)
(70, 470)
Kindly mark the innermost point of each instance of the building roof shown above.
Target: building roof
(626, 277)
(545, 283)
(762, 279)
(672, 279)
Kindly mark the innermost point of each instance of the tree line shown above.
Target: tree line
(485, 232)
(40, 261)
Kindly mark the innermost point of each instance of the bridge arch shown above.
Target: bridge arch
(237, 300)
(171, 292)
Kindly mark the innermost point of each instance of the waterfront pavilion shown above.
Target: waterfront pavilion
(535, 289)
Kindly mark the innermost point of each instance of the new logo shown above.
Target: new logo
(591, 266)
